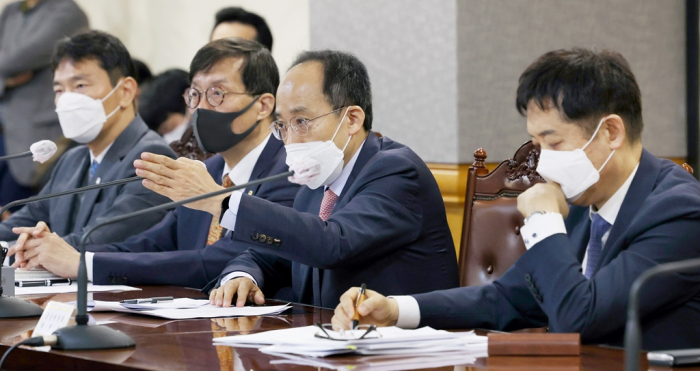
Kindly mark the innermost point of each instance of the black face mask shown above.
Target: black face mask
(213, 129)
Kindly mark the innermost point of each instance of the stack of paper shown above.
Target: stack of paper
(393, 341)
(184, 309)
(34, 274)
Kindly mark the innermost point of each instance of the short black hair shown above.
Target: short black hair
(161, 96)
(142, 73)
(107, 50)
(584, 85)
(259, 71)
(240, 15)
(345, 80)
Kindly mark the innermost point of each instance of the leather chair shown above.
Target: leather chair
(491, 241)
(187, 147)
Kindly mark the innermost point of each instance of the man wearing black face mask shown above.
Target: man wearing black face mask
(233, 86)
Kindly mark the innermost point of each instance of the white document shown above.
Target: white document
(62, 289)
(209, 311)
(184, 309)
(180, 303)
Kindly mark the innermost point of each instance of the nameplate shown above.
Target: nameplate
(534, 344)
(56, 315)
(8, 281)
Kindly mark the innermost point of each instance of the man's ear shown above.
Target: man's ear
(356, 119)
(267, 106)
(129, 88)
(614, 130)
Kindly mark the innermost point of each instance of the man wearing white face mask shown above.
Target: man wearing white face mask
(371, 210)
(628, 211)
(94, 100)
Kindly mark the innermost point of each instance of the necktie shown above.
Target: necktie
(329, 199)
(215, 229)
(595, 245)
(93, 168)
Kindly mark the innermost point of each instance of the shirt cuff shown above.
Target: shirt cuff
(541, 226)
(88, 264)
(229, 219)
(233, 275)
(409, 311)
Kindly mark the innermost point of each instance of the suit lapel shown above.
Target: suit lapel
(70, 203)
(109, 169)
(369, 149)
(580, 232)
(262, 165)
(642, 185)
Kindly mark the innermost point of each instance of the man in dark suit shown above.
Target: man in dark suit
(629, 211)
(379, 219)
(95, 92)
(186, 248)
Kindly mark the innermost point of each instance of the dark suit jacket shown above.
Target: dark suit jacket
(659, 222)
(388, 229)
(174, 251)
(70, 216)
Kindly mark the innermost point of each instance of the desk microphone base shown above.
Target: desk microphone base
(85, 337)
(11, 307)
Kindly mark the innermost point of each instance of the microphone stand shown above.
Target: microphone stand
(633, 332)
(12, 307)
(19, 155)
(84, 337)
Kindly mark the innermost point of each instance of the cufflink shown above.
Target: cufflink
(98, 180)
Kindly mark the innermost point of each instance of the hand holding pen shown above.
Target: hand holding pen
(374, 309)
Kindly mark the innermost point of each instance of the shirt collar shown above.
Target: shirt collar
(101, 156)
(339, 183)
(611, 208)
(242, 172)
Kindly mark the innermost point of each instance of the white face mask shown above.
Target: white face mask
(82, 117)
(572, 170)
(327, 154)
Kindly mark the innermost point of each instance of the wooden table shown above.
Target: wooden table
(187, 344)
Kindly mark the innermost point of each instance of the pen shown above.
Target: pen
(38, 283)
(361, 296)
(148, 300)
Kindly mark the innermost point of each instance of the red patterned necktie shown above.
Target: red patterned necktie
(329, 199)
(215, 229)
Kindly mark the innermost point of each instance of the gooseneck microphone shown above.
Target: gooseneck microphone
(42, 151)
(633, 331)
(12, 307)
(84, 337)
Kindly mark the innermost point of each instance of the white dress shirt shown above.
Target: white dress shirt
(239, 174)
(336, 187)
(538, 227)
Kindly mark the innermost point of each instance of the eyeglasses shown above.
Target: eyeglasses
(299, 125)
(215, 96)
(359, 333)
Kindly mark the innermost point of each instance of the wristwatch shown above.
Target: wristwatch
(536, 213)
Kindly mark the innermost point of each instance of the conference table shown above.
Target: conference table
(187, 344)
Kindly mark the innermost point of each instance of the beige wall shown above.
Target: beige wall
(167, 33)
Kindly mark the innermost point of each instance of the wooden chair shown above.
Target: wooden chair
(491, 241)
(187, 147)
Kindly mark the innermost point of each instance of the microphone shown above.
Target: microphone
(12, 307)
(633, 332)
(41, 152)
(84, 337)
